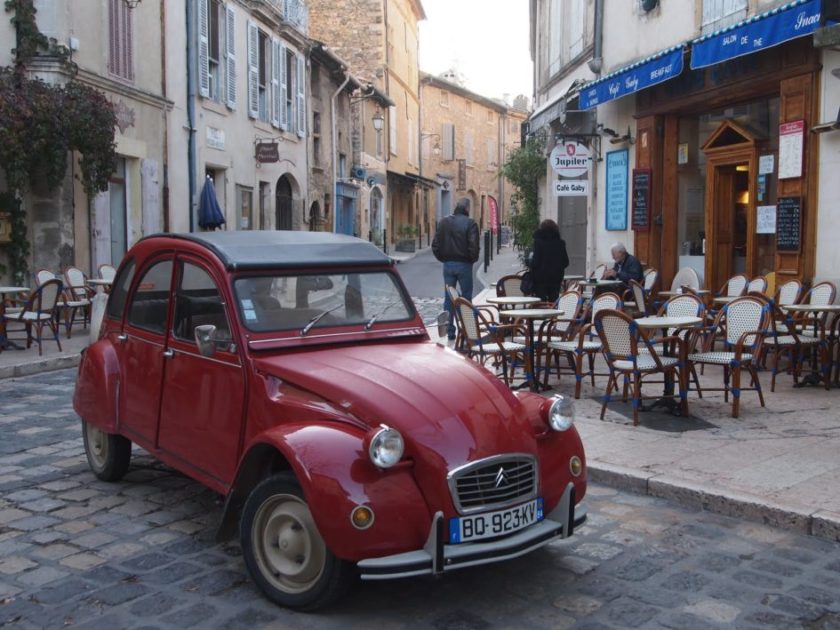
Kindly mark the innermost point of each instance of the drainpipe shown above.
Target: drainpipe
(596, 63)
(191, 96)
(335, 147)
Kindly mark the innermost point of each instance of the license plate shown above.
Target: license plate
(498, 523)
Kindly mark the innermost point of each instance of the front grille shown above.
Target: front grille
(494, 482)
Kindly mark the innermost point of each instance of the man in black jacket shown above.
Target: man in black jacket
(456, 245)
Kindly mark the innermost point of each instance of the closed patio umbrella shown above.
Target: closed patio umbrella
(210, 215)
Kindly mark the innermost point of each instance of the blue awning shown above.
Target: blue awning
(789, 21)
(660, 67)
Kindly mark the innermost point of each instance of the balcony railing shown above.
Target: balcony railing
(293, 12)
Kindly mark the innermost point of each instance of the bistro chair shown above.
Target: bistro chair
(559, 328)
(582, 343)
(484, 339)
(685, 278)
(630, 354)
(757, 285)
(40, 310)
(639, 299)
(742, 324)
(787, 341)
(77, 295)
(107, 272)
(649, 280)
(510, 286)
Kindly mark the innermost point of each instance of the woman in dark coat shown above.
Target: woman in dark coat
(549, 262)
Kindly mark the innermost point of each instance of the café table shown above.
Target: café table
(101, 282)
(513, 300)
(726, 299)
(530, 315)
(569, 279)
(814, 378)
(656, 322)
(670, 294)
(5, 342)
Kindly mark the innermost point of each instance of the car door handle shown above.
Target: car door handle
(122, 337)
(168, 354)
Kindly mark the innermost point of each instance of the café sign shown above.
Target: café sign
(267, 152)
(570, 159)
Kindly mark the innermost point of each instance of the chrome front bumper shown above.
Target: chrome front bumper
(436, 557)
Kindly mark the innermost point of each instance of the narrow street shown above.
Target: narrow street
(77, 552)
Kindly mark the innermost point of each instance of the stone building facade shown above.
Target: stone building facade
(465, 139)
(382, 49)
(65, 226)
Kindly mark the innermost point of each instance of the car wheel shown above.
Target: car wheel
(284, 551)
(108, 454)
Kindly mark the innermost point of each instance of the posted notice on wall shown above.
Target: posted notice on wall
(765, 220)
(791, 143)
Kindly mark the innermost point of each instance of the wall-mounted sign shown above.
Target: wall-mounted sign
(766, 164)
(641, 199)
(267, 152)
(765, 220)
(791, 141)
(215, 138)
(682, 153)
(618, 163)
(571, 188)
(570, 159)
(462, 174)
(789, 224)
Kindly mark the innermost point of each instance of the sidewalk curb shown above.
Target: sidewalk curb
(819, 523)
(41, 365)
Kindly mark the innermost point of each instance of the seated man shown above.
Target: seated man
(627, 267)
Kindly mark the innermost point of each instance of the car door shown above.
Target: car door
(203, 397)
(140, 349)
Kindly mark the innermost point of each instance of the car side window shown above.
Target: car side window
(150, 304)
(198, 302)
(119, 291)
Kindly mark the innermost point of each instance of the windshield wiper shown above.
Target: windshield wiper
(317, 318)
(373, 319)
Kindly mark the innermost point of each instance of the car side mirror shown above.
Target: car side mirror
(205, 339)
(442, 323)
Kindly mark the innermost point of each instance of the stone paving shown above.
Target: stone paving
(77, 552)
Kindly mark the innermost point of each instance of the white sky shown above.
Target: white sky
(486, 40)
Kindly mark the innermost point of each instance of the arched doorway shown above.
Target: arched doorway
(283, 195)
(315, 222)
(376, 216)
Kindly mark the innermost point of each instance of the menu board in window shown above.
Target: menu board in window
(789, 224)
(641, 199)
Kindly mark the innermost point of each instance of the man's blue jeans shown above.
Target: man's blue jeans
(458, 274)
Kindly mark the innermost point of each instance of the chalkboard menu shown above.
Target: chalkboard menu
(789, 224)
(641, 199)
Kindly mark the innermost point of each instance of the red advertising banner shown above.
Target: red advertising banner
(494, 214)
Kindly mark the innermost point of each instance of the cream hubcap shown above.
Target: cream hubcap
(97, 445)
(289, 550)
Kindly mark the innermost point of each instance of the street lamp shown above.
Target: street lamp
(378, 121)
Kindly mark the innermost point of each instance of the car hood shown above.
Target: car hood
(446, 406)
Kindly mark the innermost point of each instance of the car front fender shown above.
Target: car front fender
(97, 386)
(335, 474)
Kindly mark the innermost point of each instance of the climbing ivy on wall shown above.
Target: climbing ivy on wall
(41, 123)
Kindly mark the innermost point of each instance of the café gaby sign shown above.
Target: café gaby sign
(570, 159)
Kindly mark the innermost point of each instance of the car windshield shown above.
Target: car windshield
(304, 302)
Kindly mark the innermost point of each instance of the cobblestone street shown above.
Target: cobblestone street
(77, 552)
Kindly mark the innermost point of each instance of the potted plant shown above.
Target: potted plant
(407, 238)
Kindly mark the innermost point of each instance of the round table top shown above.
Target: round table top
(100, 281)
(534, 313)
(573, 277)
(14, 289)
(675, 293)
(813, 308)
(513, 299)
(726, 299)
(667, 322)
(596, 283)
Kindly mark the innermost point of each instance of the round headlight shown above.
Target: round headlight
(561, 414)
(386, 447)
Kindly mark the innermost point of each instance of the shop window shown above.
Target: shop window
(245, 203)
